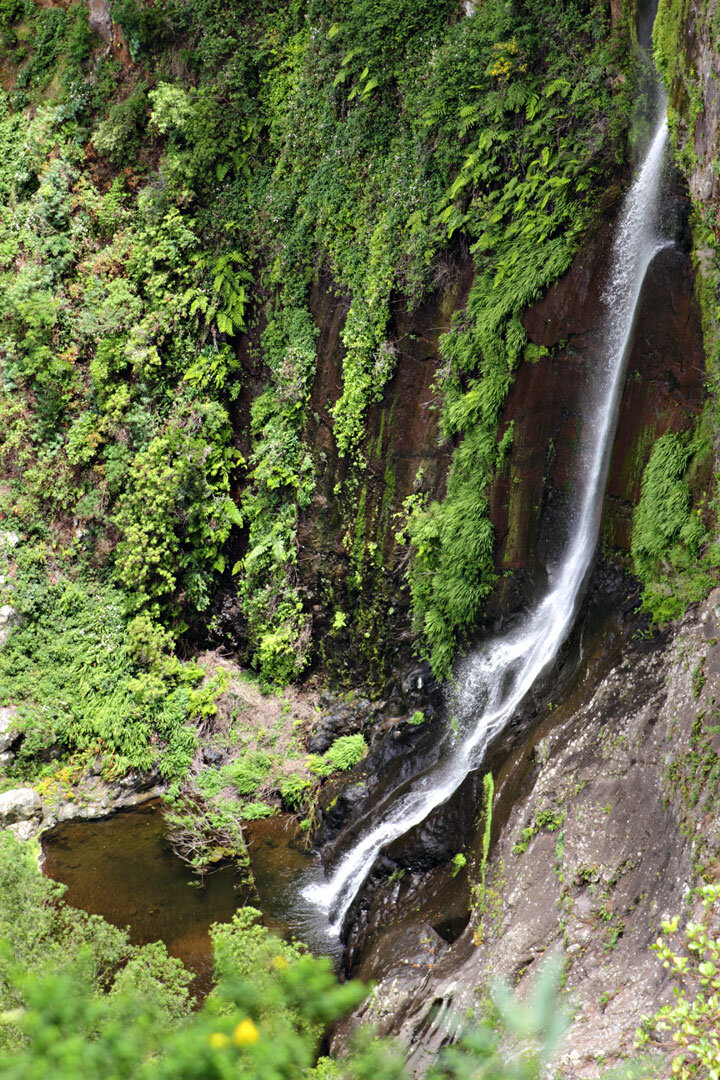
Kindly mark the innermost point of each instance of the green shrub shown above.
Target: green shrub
(86, 681)
(119, 136)
(293, 791)
(248, 773)
(344, 754)
(668, 535)
(693, 1020)
(254, 811)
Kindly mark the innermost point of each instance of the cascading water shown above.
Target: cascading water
(493, 680)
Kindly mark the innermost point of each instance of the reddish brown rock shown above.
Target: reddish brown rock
(663, 391)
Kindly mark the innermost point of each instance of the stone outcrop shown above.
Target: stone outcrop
(9, 618)
(29, 815)
(18, 808)
(604, 821)
(100, 20)
(8, 727)
(699, 75)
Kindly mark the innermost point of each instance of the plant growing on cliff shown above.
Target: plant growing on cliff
(525, 223)
(668, 533)
(244, 164)
(344, 754)
(690, 1027)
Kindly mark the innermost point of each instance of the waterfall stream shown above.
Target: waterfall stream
(492, 681)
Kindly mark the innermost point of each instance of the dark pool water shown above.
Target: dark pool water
(123, 868)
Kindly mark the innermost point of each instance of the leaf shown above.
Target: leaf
(561, 86)
(224, 323)
(459, 184)
(333, 31)
(233, 514)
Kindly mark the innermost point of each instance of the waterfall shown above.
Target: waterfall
(492, 681)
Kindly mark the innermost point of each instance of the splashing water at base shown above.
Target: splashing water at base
(493, 680)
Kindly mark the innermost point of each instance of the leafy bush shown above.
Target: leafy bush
(344, 754)
(85, 680)
(249, 772)
(119, 136)
(44, 939)
(668, 534)
(690, 1027)
(293, 790)
(255, 811)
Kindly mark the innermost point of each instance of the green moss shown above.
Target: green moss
(668, 533)
(549, 819)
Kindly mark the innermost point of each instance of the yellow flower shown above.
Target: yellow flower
(280, 963)
(245, 1034)
(218, 1041)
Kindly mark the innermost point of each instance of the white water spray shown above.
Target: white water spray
(493, 680)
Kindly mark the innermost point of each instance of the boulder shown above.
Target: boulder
(19, 804)
(8, 727)
(9, 618)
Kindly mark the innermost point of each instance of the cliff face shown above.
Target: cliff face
(606, 812)
(613, 815)
(664, 391)
(686, 45)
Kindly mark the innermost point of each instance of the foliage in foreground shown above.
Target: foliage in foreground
(76, 999)
(690, 1027)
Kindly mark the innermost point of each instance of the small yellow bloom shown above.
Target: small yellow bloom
(218, 1041)
(246, 1033)
(280, 963)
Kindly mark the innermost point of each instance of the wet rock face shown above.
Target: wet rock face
(663, 391)
(341, 715)
(699, 46)
(404, 731)
(401, 442)
(611, 821)
(399, 751)
(422, 857)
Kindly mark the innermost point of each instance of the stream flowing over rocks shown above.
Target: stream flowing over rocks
(607, 826)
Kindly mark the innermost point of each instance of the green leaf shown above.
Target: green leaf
(233, 514)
